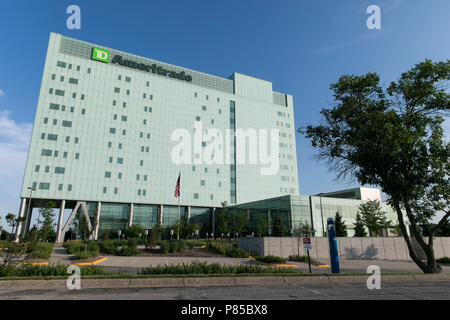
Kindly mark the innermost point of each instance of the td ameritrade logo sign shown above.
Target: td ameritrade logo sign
(103, 56)
(100, 55)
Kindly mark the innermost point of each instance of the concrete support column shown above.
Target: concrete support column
(161, 213)
(20, 225)
(60, 221)
(130, 216)
(188, 214)
(99, 205)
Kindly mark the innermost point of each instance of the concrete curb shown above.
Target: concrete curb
(214, 281)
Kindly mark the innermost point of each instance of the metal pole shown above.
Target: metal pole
(321, 215)
(178, 224)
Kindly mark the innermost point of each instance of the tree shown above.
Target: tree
(223, 220)
(81, 225)
(13, 221)
(279, 230)
(299, 231)
(374, 218)
(262, 226)
(240, 222)
(134, 231)
(360, 231)
(47, 232)
(393, 137)
(341, 228)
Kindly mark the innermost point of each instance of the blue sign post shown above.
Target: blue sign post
(334, 257)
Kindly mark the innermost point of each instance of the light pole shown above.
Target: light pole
(28, 211)
(321, 214)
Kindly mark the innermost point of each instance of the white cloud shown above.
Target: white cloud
(1, 92)
(14, 141)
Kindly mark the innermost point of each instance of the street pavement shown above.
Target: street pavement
(431, 290)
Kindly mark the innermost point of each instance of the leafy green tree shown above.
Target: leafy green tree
(374, 218)
(262, 226)
(223, 220)
(13, 221)
(360, 230)
(46, 231)
(81, 225)
(393, 137)
(135, 231)
(444, 230)
(341, 228)
(279, 230)
(240, 222)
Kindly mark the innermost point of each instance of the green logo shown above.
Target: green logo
(100, 55)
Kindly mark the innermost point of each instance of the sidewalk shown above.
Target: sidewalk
(60, 256)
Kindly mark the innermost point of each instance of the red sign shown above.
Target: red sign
(306, 240)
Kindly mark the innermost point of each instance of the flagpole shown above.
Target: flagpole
(178, 224)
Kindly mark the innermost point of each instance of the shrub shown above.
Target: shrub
(270, 259)
(86, 255)
(190, 245)
(443, 260)
(164, 247)
(235, 252)
(26, 270)
(135, 231)
(107, 247)
(41, 250)
(128, 251)
(133, 243)
(173, 246)
(197, 267)
(182, 245)
(73, 247)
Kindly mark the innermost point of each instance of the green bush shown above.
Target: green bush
(86, 255)
(270, 259)
(190, 244)
(443, 260)
(197, 267)
(26, 270)
(164, 247)
(235, 252)
(107, 247)
(173, 246)
(73, 247)
(182, 245)
(132, 243)
(128, 251)
(41, 250)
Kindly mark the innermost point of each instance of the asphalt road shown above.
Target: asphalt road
(435, 290)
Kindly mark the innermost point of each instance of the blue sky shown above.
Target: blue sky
(300, 46)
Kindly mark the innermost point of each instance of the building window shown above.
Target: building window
(120, 160)
(141, 162)
(119, 77)
(127, 79)
(59, 92)
(78, 68)
(120, 146)
(66, 123)
(76, 140)
(52, 137)
(61, 64)
(116, 90)
(55, 122)
(195, 195)
(110, 159)
(42, 136)
(137, 177)
(119, 176)
(124, 118)
(36, 169)
(60, 187)
(197, 118)
(46, 152)
(114, 102)
(55, 153)
(145, 177)
(77, 156)
(54, 106)
(82, 97)
(60, 170)
(83, 111)
(139, 192)
(104, 189)
(47, 169)
(128, 92)
(44, 186)
(124, 105)
(65, 154)
(147, 84)
(115, 190)
(109, 144)
(69, 187)
(74, 95)
(73, 81)
(112, 130)
(204, 108)
(89, 70)
(211, 197)
(151, 97)
(207, 97)
(124, 132)
(107, 174)
(193, 168)
(115, 117)
(202, 182)
(45, 120)
(67, 139)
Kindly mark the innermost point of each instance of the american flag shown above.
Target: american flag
(177, 187)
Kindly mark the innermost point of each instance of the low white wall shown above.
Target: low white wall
(368, 248)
